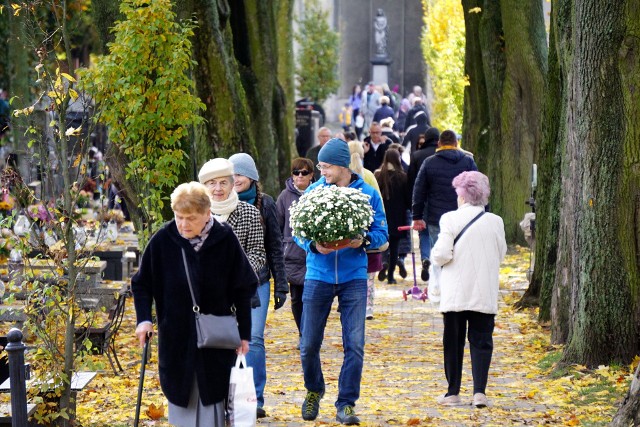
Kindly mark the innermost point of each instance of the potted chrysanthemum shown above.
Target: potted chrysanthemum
(331, 216)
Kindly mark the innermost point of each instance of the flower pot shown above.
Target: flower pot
(337, 244)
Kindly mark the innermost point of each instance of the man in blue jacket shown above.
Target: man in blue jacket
(341, 273)
(433, 187)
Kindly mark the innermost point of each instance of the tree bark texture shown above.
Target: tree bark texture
(475, 121)
(5, 36)
(521, 109)
(591, 266)
(505, 61)
(548, 188)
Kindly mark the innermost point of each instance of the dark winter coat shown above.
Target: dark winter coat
(396, 205)
(433, 184)
(415, 132)
(273, 247)
(221, 276)
(415, 161)
(373, 158)
(411, 116)
(383, 112)
(294, 256)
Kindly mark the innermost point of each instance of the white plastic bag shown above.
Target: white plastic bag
(242, 395)
(434, 283)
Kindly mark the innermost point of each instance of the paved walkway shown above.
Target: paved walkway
(403, 371)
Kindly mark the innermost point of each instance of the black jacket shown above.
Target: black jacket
(415, 161)
(396, 205)
(273, 246)
(433, 184)
(373, 158)
(295, 258)
(415, 132)
(221, 276)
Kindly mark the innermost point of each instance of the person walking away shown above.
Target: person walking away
(324, 134)
(294, 256)
(195, 381)
(374, 258)
(375, 146)
(433, 188)
(338, 273)
(469, 284)
(384, 111)
(416, 132)
(395, 196)
(246, 183)
(355, 101)
(411, 114)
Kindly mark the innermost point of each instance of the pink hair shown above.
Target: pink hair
(473, 187)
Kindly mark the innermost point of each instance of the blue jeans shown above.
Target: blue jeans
(428, 238)
(317, 298)
(256, 358)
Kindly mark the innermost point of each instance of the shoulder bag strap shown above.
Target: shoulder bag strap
(477, 217)
(186, 269)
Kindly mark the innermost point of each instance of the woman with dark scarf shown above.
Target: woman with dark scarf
(247, 185)
(195, 381)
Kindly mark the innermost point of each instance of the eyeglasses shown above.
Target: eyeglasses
(302, 172)
(323, 167)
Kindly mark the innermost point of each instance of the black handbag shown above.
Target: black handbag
(214, 331)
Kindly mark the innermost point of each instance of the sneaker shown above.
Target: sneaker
(452, 400)
(480, 400)
(401, 270)
(425, 270)
(311, 405)
(383, 273)
(260, 413)
(347, 416)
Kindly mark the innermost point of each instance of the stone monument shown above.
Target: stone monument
(381, 59)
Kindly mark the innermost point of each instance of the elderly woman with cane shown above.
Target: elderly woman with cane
(470, 247)
(194, 380)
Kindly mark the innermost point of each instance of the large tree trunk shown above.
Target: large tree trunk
(505, 62)
(591, 266)
(475, 122)
(522, 105)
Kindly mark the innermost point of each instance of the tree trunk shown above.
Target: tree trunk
(475, 121)
(105, 14)
(547, 194)
(522, 105)
(505, 62)
(592, 267)
(5, 36)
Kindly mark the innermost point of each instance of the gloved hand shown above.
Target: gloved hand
(278, 299)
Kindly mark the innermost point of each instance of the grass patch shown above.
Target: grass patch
(548, 361)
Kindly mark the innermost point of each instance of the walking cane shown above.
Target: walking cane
(145, 353)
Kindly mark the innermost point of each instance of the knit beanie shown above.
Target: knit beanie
(245, 166)
(335, 152)
(215, 168)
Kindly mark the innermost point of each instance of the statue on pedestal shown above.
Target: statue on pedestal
(381, 33)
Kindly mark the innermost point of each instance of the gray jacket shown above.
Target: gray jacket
(294, 255)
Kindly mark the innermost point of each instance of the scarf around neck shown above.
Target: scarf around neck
(197, 241)
(221, 210)
(249, 195)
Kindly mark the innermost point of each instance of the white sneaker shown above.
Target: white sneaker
(480, 400)
(452, 400)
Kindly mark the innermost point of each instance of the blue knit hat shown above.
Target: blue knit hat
(244, 165)
(335, 152)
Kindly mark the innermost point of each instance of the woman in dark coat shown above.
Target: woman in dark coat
(246, 184)
(295, 258)
(395, 195)
(195, 381)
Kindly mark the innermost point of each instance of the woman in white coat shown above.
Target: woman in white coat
(470, 258)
